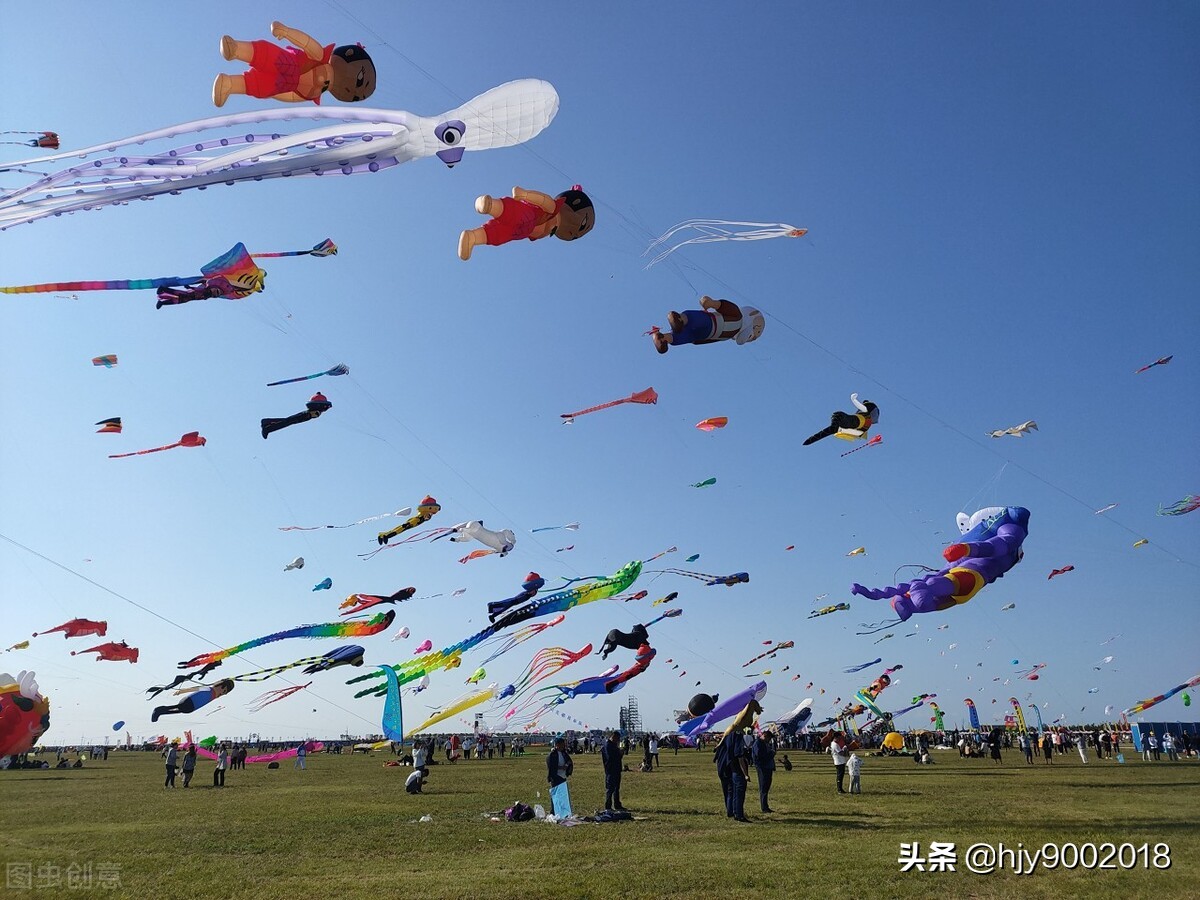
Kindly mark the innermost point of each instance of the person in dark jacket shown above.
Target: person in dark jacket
(612, 756)
(762, 754)
(732, 769)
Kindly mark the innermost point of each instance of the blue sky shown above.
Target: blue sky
(1003, 207)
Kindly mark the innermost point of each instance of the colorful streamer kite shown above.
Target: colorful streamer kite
(504, 643)
(711, 231)
(711, 580)
(191, 439)
(349, 655)
(43, 140)
(339, 369)
(647, 396)
(226, 151)
(1144, 705)
(400, 512)
(878, 439)
(861, 666)
(465, 702)
(782, 645)
(1161, 361)
(374, 625)
(261, 702)
(1188, 504)
(570, 526)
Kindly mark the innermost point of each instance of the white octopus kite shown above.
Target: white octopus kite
(712, 230)
(1016, 430)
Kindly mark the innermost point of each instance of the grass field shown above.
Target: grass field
(345, 828)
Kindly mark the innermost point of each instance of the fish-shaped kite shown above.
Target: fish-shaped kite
(826, 610)
(108, 360)
(707, 482)
(1063, 571)
(1140, 543)
(323, 585)
(648, 396)
(77, 628)
(43, 140)
(297, 563)
(357, 603)
(191, 439)
(112, 651)
(713, 423)
(1016, 430)
(858, 551)
(1161, 361)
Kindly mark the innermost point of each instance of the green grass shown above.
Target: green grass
(345, 828)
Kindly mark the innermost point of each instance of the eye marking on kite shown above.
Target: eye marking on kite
(451, 132)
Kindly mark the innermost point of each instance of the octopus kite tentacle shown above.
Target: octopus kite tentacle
(372, 626)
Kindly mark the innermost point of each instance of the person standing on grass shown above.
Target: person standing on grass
(611, 756)
(559, 766)
(172, 758)
(654, 750)
(837, 749)
(762, 754)
(1154, 746)
(301, 753)
(222, 765)
(854, 767)
(189, 764)
(1168, 744)
(1048, 748)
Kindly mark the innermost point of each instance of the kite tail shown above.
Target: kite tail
(71, 287)
(330, 629)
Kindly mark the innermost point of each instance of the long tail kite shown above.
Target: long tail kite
(878, 439)
(326, 248)
(44, 140)
(558, 602)
(400, 512)
(570, 526)
(783, 645)
(714, 230)
(466, 701)
(261, 702)
(191, 439)
(339, 369)
(1188, 504)
(1154, 701)
(646, 396)
(504, 643)
(1161, 361)
(374, 625)
(710, 580)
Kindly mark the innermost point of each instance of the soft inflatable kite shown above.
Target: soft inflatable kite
(477, 676)
(398, 513)
(1007, 606)
(558, 602)
(861, 666)
(505, 642)
(674, 595)
(1144, 705)
(423, 647)
(323, 585)
(262, 701)
(339, 369)
(357, 603)
(826, 610)
(711, 580)
(314, 408)
(401, 634)
(1140, 543)
(117, 726)
(699, 705)
(77, 628)
(791, 722)
(972, 712)
(648, 396)
(529, 587)
(713, 424)
(707, 482)
(465, 702)
(730, 706)
(227, 151)
(849, 426)
(113, 651)
(1063, 571)
(1161, 361)
(295, 74)
(199, 674)
(200, 697)
(109, 426)
(43, 140)
(1105, 509)
(710, 231)
(1188, 504)
(529, 215)
(191, 439)
(1032, 673)
(986, 553)
(19, 645)
(781, 645)
(297, 563)
(1016, 430)
(873, 442)
(374, 625)
(501, 542)
(108, 360)
(716, 320)
(565, 549)
(24, 713)
(349, 655)
(937, 716)
(858, 551)
(426, 510)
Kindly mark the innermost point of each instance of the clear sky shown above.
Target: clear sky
(1003, 205)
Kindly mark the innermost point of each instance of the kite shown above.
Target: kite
(507, 642)
(646, 396)
(1032, 674)
(323, 585)
(109, 426)
(1107, 508)
(349, 655)
(714, 230)
(565, 549)
(708, 482)
(297, 563)
(697, 726)
(357, 603)
(551, 604)
(544, 664)
(475, 554)
(1016, 705)
(529, 215)
(261, 702)
(24, 713)
(791, 722)
(715, 321)
(710, 580)
(501, 542)
(309, 746)
(108, 360)
(697, 706)
(1188, 504)
(1007, 606)
(117, 726)
(339, 369)
(860, 667)
(972, 712)
(400, 512)
(401, 634)
(1140, 543)
(878, 439)
(783, 645)
(692, 558)
(1187, 699)
(77, 628)
(639, 595)
(180, 679)
(112, 651)
(849, 426)
(226, 151)
(20, 645)
(393, 714)
(1094, 690)
(1144, 705)
(1104, 662)
(1015, 431)
(43, 140)
(570, 526)
(316, 405)
(465, 702)
(986, 552)
(713, 424)
(1063, 571)
(374, 625)
(426, 510)
(1161, 361)
(858, 551)
(191, 439)
(674, 595)
(936, 719)
(884, 638)
(416, 688)
(477, 676)
(423, 647)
